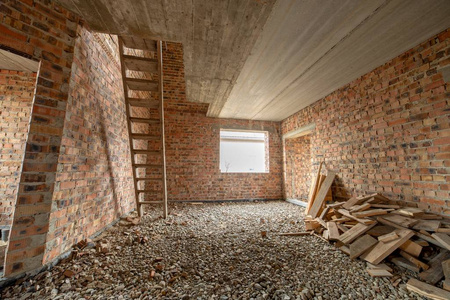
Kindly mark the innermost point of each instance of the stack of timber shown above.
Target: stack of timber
(381, 232)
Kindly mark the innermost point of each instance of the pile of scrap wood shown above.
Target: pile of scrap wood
(378, 230)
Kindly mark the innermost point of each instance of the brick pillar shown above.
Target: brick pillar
(43, 31)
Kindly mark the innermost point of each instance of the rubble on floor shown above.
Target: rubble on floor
(376, 230)
(211, 251)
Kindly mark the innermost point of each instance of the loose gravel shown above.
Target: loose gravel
(211, 251)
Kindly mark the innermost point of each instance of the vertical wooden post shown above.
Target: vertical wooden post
(127, 108)
(163, 139)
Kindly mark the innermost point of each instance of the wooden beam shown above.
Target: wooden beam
(427, 290)
(435, 272)
(318, 202)
(442, 238)
(312, 190)
(353, 233)
(361, 245)
(412, 248)
(163, 135)
(382, 250)
(333, 232)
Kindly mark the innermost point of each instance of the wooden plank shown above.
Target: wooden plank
(422, 243)
(370, 213)
(435, 272)
(341, 220)
(404, 263)
(427, 290)
(333, 232)
(361, 245)
(324, 213)
(429, 239)
(382, 250)
(411, 248)
(430, 217)
(350, 202)
(353, 233)
(335, 205)
(446, 268)
(311, 224)
(394, 206)
(378, 272)
(379, 266)
(414, 260)
(442, 238)
(361, 207)
(446, 284)
(380, 230)
(410, 211)
(400, 220)
(313, 189)
(318, 202)
(321, 222)
(345, 249)
(303, 233)
(428, 225)
(342, 228)
(443, 230)
(388, 237)
(345, 213)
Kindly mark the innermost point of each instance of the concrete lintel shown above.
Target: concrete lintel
(300, 131)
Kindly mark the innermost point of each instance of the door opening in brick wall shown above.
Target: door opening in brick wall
(297, 166)
(17, 86)
(244, 151)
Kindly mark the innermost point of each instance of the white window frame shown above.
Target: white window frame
(266, 149)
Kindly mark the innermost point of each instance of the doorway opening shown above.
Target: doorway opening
(298, 162)
(17, 87)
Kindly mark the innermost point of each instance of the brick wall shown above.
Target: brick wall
(193, 144)
(93, 184)
(298, 167)
(388, 131)
(192, 153)
(16, 96)
(44, 31)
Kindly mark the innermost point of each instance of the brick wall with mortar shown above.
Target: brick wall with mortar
(16, 96)
(93, 184)
(193, 144)
(389, 130)
(298, 167)
(45, 32)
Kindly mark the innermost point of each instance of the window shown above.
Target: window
(244, 151)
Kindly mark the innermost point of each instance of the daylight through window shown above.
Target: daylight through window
(244, 151)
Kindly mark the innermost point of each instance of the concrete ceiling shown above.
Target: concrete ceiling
(253, 59)
(11, 61)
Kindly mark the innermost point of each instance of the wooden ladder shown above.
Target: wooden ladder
(142, 75)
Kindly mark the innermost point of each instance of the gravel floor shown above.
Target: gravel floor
(212, 251)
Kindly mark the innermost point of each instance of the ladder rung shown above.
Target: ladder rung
(147, 166)
(142, 84)
(142, 102)
(144, 120)
(140, 64)
(148, 179)
(151, 152)
(139, 43)
(151, 202)
(143, 136)
(148, 191)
